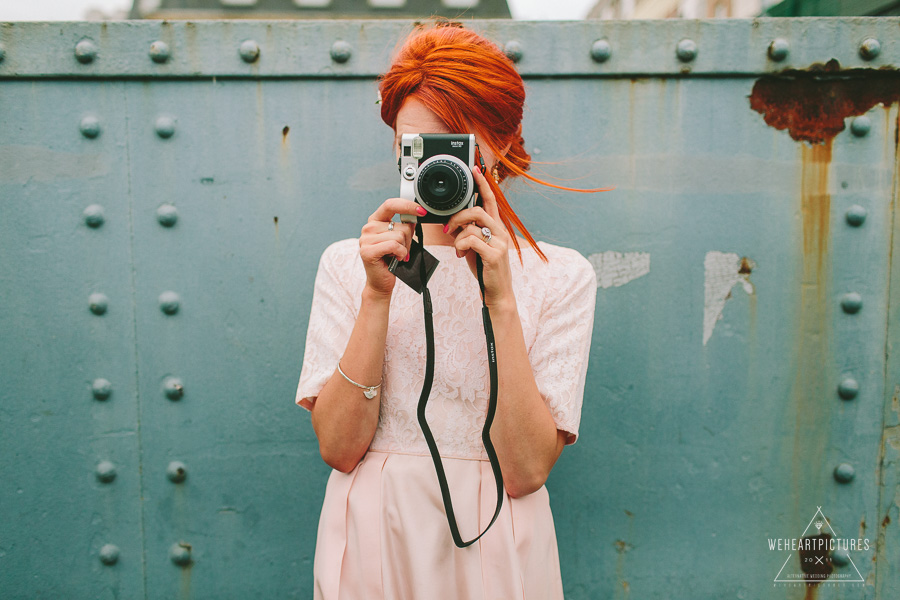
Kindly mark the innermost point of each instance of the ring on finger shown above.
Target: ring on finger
(390, 226)
(486, 234)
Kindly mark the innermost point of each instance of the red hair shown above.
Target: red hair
(461, 76)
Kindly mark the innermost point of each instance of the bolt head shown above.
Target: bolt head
(869, 49)
(778, 49)
(601, 51)
(341, 51)
(686, 50)
(249, 51)
(513, 50)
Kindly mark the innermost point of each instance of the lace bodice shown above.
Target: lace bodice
(555, 302)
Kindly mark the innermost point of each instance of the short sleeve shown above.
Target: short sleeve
(559, 355)
(332, 317)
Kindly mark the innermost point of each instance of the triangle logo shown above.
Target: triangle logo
(815, 565)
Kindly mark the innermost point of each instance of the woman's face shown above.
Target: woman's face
(415, 117)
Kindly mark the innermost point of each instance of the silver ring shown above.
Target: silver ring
(486, 234)
(391, 226)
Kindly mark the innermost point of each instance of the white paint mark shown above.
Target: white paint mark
(617, 268)
(721, 273)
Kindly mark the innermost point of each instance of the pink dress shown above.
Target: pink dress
(383, 531)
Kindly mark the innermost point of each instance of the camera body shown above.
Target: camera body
(436, 173)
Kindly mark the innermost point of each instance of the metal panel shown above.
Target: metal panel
(71, 437)
(712, 419)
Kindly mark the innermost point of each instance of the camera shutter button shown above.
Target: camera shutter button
(409, 172)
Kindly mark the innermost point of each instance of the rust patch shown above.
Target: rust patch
(812, 103)
(886, 520)
(284, 133)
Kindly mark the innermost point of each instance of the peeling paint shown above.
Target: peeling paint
(892, 436)
(618, 268)
(722, 270)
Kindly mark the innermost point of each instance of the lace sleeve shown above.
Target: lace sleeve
(559, 355)
(332, 317)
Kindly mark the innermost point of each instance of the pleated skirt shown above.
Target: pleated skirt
(383, 535)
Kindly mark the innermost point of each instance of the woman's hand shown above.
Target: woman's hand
(377, 241)
(498, 289)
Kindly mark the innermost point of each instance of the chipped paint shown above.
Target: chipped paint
(618, 268)
(722, 271)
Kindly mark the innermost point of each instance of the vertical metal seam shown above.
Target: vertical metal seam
(888, 388)
(137, 370)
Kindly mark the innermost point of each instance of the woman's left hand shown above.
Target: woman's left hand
(466, 226)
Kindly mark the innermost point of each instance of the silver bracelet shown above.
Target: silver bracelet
(369, 390)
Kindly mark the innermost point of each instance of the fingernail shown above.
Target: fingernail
(407, 258)
(422, 212)
(458, 255)
(446, 227)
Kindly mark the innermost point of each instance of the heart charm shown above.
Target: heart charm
(369, 394)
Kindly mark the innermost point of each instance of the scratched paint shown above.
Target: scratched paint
(618, 268)
(722, 271)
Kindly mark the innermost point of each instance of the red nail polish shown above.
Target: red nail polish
(407, 258)
(422, 212)
(446, 227)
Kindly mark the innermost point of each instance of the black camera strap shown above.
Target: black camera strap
(492, 403)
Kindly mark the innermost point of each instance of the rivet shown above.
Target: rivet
(89, 126)
(109, 554)
(101, 388)
(686, 50)
(168, 302)
(167, 215)
(840, 557)
(249, 51)
(173, 387)
(106, 471)
(159, 51)
(844, 472)
(851, 302)
(98, 303)
(176, 471)
(165, 127)
(856, 215)
(85, 51)
(93, 215)
(869, 49)
(180, 553)
(341, 51)
(778, 49)
(861, 125)
(848, 388)
(513, 50)
(601, 51)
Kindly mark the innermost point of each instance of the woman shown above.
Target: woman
(383, 531)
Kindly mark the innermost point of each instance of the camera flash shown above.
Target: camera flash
(418, 147)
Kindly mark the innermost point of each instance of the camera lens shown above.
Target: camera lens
(442, 185)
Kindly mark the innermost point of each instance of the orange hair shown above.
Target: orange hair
(461, 76)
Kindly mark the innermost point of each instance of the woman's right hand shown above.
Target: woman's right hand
(377, 242)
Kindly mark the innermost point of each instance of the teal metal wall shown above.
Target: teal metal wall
(166, 189)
